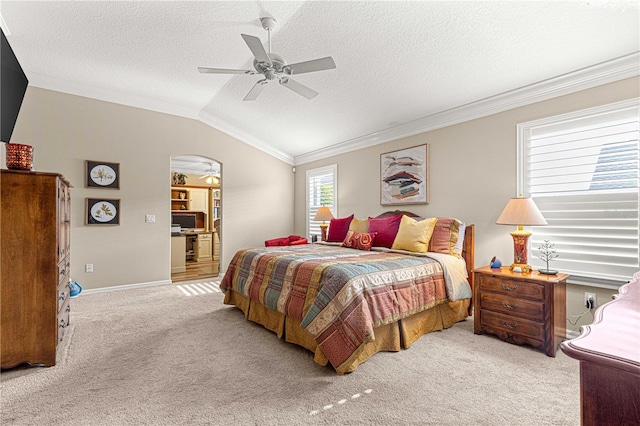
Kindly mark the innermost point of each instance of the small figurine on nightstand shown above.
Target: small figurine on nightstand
(495, 263)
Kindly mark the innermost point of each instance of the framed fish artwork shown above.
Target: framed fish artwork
(404, 176)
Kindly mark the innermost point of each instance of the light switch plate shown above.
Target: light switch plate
(150, 218)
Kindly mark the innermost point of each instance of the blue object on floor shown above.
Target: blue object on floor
(76, 289)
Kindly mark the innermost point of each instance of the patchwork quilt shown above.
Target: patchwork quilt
(338, 294)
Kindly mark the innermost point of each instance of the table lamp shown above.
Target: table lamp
(323, 214)
(521, 212)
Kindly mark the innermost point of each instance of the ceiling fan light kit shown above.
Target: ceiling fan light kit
(274, 67)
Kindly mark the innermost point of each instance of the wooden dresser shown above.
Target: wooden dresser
(521, 308)
(35, 261)
(609, 355)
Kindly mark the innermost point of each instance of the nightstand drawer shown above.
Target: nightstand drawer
(492, 320)
(519, 308)
(512, 288)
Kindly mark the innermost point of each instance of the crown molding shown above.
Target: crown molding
(243, 136)
(606, 72)
(108, 95)
(45, 82)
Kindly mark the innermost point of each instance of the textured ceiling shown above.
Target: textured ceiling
(396, 61)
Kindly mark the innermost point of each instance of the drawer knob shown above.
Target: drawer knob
(506, 287)
(511, 326)
(508, 306)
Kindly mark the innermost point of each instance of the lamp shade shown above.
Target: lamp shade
(521, 212)
(323, 214)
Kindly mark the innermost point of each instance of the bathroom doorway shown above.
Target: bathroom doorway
(196, 215)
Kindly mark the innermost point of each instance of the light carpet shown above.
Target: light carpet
(158, 356)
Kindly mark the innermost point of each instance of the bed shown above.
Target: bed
(345, 304)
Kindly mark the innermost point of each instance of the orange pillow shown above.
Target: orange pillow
(359, 240)
(445, 236)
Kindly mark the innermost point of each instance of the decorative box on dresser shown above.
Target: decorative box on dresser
(521, 308)
(609, 355)
(35, 260)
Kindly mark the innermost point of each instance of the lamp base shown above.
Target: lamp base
(323, 231)
(520, 267)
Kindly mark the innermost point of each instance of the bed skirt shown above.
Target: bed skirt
(391, 337)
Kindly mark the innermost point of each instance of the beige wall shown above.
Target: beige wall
(473, 173)
(66, 130)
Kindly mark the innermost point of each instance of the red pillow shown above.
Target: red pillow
(385, 229)
(338, 229)
(359, 240)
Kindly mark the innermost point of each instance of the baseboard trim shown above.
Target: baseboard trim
(126, 287)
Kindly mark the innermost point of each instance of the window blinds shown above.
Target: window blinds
(582, 172)
(321, 191)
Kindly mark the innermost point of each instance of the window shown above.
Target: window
(581, 169)
(321, 191)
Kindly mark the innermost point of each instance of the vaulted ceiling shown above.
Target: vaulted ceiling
(398, 63)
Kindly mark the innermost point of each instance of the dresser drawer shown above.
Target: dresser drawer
(512, 288)
(204, 236)
(63, 270)
(63, 319)
(492, 320)
(515, 308)
(63, 293)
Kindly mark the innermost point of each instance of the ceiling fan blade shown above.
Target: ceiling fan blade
(257, 48)
(312, 66)
(255, 91)
(206, 70)
(299, 88)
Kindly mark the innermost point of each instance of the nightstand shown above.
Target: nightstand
(521, 308)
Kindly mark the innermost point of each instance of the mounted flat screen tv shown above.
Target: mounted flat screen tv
(13, 85)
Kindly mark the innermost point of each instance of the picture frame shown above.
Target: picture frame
(102, 211)
(101, 174)
(404, 176)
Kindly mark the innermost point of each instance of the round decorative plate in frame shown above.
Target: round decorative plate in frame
(101, 174)
(101, 211)
(104, 211)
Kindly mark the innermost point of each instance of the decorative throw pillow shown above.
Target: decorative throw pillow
(385, 229)
(359, 225)
(359, 240)
(445, 236)
(338, 228)
(414, 235)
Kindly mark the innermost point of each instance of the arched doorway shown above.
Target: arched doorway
(196, 214)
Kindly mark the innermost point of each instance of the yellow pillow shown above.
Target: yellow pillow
(359, 226)
(413, 235)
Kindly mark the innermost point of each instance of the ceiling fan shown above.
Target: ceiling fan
(210, 175)
(273, 66)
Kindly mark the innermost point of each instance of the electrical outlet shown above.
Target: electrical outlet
(590, 300)
(150, 218)
(88, 267)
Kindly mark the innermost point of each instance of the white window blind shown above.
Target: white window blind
(581, 169)
(321, 191)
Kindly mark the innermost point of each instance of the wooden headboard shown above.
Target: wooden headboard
(467, 247)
